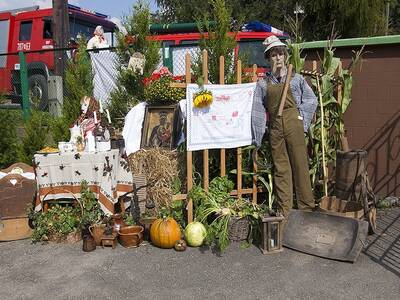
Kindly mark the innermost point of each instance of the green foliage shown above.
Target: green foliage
(160, 92)
(176, 185)
(215, 208)
(78, 83)
(175, 211)
(92, 212)
(55, 223)
(36, 135)
(218, 43)
(9, 145)
(352, 18)
(130, 86)
(128, 219)
(295, 57)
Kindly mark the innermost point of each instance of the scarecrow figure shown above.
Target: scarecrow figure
(98, 40)
(286, 131)
(90, 116)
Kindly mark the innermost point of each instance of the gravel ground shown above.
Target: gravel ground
(61, 271)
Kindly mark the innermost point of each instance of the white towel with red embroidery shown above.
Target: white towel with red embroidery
(226, 123)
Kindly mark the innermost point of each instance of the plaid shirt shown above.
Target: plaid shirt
(304, 96)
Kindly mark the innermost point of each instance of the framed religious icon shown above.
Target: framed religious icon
(158, 127)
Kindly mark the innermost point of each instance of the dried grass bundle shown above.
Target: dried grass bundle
(160, 167)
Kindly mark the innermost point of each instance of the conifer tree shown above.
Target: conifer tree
(8, 138)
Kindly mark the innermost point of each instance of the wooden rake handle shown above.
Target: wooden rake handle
(285, 89)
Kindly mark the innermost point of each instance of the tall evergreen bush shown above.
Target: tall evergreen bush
(8, 138)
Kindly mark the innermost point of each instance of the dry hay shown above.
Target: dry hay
(160, 167)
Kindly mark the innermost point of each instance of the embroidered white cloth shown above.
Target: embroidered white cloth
(132, 131)
(106, 173)
(226, 123)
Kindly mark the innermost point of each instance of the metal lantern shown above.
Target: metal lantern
(272, 233)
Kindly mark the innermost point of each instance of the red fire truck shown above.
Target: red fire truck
(178, 39)
(30, 30)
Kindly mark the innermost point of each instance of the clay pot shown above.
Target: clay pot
(118, 222)
(97, 232)
(88, 243)
(146, 223)
(130, 236)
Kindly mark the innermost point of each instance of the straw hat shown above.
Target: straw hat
(272, 41)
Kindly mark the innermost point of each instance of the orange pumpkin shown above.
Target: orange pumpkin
(164, 233)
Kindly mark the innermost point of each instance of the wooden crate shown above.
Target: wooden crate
(339, 207)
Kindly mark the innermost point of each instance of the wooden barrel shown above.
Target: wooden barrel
(350, 175)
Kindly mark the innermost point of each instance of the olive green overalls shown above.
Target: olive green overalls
(289, 152)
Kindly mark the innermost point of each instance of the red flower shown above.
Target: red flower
(165, 71)
(130, 39)
(155, 76)
(178, 78)
(146, 81)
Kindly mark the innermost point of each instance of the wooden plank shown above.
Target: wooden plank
(206, 175)
(221, 70)
(254, 72)
(239, 171)
(223, 162)
(222, 81)
(239, 150)
(239, 72)
(205, 66)
(178, 85)
(189, 155)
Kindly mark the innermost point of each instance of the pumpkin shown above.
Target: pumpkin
(180, 245)
(165, 232)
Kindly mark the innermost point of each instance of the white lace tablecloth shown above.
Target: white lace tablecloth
(106, 173)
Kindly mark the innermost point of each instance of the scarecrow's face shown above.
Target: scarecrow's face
(277, 58)
(85, 104)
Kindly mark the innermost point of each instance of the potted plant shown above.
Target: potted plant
(157, 89)
(92, 217)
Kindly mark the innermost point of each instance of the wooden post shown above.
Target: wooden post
(189, 156)
(205, 152)
(254, 72)
(222, 81)
(61, 33)
(254, 79)
(239, 150)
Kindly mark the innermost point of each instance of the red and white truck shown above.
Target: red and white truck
(31, 30)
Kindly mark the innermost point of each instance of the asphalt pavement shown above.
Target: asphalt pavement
(64, 271)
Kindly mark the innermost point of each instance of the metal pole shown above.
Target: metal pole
(24, 86)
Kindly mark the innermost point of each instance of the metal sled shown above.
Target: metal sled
(325, 235)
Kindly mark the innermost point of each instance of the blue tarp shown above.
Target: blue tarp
(261, 27)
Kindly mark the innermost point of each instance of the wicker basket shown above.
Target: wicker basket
(238, 229)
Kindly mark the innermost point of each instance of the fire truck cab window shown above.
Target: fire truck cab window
(25, 31)
(47, 30)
